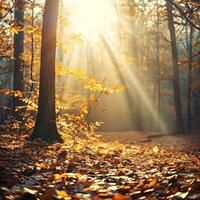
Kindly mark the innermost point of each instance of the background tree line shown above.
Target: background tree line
(163, 50)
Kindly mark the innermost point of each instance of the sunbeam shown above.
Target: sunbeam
(100, 36)
(133, 84)
(90, 18)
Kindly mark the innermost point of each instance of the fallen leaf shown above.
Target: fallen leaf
(155, 149)
(48, 195)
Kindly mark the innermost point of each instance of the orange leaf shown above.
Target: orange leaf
(119, 197)
(152, 183)
(119, 88)
(49, 194)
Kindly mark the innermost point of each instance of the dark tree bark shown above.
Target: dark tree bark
(18, 82)
(176, 85)
(45, 127)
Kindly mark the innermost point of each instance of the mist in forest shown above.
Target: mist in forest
(119, 45)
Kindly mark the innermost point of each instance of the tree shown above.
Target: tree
(18, 82)
(45, 127)
(190, 62)
(158, 60)
(176, 85)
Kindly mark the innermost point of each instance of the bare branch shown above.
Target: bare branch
(183, 14)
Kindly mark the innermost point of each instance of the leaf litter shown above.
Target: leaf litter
(39, 171)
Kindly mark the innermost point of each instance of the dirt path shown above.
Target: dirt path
(133, 137)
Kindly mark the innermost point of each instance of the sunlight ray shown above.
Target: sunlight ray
(98, 51)
(133, 81)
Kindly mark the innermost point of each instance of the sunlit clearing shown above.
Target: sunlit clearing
(98, 39)
(89, 18)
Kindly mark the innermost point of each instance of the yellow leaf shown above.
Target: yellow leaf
(119, 88)
(62, 193)
(13, 30)
(57, 177)
(98, 123)
(92, 99)
(155, 149)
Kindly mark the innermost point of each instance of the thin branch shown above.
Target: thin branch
(183, 14)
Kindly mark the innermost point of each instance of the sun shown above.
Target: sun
(91, 18)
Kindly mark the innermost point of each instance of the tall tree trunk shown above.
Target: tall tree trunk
(189, 124)
(176, 86)
(45, 127)
(158, 62)
(32, 46)
(18, 82)
(137, 99)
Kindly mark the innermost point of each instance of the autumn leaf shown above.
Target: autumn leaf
(30, 191)
(155, 149)
(42, 165)
(62, 194)
(119, 88)
(97, 123)
(57, 177)
(152, 183)
(13, 30)
(119, 197)
(4, 5)
(48, 195)
(92, 99)
(84, 108)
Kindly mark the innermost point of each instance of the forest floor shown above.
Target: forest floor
(146, 166)
(133, 137)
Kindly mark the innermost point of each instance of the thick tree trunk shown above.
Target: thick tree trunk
(45, 127)
(18, 82)
(176, 86)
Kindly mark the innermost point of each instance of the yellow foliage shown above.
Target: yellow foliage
(14, 93)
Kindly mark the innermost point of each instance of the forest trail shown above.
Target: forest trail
(134, 137)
